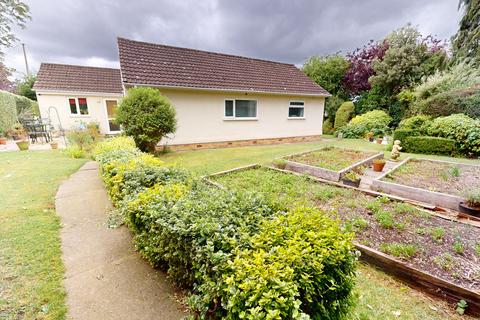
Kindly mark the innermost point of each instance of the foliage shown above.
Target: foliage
(403, 135)
(25, 87)
(400, 250)
(455, 101)
(85, 137)
(351, 176)
(361, 66)
(374, 99)
(8, 112)
(409, 57)
(328, 72)
(344, 114)
(462, 305)
(465, 43)
(419, 123)
(116, 143)
(331, 106)
(147, 116)
(327, 127)
(293, 261)
(26, 108)
(12, 13)
(430, 145)
(75, 152)
(461, 128)
(376, 121)
(473, 197)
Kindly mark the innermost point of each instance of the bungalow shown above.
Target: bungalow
(220, 99)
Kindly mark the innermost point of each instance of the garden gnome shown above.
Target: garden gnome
(395, 150)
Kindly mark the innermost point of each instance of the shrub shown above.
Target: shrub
(450, 102)
(376, 121)
(147, 116)
(430, 145)
(116, 143)
(327, 127)
(75, 152)
(331, 106)
(461, 128)
(403, 135)
(300, 264)
(344, 114)
(418, 123)
(8, 112)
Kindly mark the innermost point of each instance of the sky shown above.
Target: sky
(84, 32)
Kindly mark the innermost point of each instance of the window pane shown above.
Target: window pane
(295, 112)
(296, 103)
(245, 108)
(73, 106)
(228, 108)
(82, 103)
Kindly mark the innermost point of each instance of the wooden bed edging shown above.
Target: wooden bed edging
(421, 280)
(323, 173)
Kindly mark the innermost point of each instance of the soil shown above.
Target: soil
(334, 159)
(437, 176)
(434, 238)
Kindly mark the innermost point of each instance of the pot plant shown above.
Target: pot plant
(3, 139)
(378, 164)
(370, 136)
(20, 134)
(471, 205)
(54, 145)
(351, 178)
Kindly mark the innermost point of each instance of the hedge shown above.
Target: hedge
(430, 145)
(376, 121)
(403, 135)
(12, 107)
(238, 253)
(344, 114)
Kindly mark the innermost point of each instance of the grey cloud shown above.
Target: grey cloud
(283, 30)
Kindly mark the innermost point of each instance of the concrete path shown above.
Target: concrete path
(369, 174)
(105, 278)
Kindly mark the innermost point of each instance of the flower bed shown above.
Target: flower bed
(329, 163)
(240, 254)
(437, 182)
(446, 249)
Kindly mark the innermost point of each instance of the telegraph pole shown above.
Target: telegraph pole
(25, 57)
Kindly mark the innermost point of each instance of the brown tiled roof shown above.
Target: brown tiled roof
(63, 77)
(151, 64)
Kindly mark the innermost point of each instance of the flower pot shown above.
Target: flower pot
(379, 140)
(465, 208)
(3, 140)
(23, 145)
(351, 183)
(378, 167)
(54, 145)
(371, 139)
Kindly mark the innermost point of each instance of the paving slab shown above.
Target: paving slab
(105, 278)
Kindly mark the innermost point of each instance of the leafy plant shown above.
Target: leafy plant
(461, 307)
(146, 116)
(376, 120)
(379, 161)
(437, 234)
(473, 197)
(445, 261)
(385, 219)
(75, 152)
(280, 163)
(351, 175)
(458, 245)
(344, 114)
(327, 71)
(400, 250)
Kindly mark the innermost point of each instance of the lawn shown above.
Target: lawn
(31, 277)
(379, 296)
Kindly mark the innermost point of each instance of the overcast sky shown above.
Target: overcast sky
(84, 31)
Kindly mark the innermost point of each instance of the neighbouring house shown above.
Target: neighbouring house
(79, 95)
(220, 99)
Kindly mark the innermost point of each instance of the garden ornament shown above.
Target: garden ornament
(396, 150)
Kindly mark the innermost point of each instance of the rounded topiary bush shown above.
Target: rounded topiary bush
(146, 116)
(344, 114)
(418, 123)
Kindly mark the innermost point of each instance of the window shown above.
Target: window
(240, 109)
(296, 109)
(78, 106)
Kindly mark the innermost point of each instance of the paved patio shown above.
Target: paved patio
(12, 146)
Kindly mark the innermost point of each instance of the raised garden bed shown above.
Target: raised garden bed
(439, 183)
(437, 248)
(329, 163)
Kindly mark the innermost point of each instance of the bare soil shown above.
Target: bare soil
(331, 158)
(446, 249)
(437, 176)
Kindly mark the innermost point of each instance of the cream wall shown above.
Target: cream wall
(96, 108)
(200, 116)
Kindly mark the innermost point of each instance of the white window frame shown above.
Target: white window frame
(234, 104)
(77, 106)
(295, 106)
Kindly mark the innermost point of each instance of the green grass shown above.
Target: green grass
(400, 250)
(31, 269)
(379, 296)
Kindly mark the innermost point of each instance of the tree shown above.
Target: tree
(12, 13)
(328, 72)
(146, 116)
(5, 73)
(361, 66)
(466, 42)
(25, 87)
(408, 59)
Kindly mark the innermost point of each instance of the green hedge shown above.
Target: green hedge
(403, 134)
(376, 121)
(238, 253)
(344, 114)
(13, 107)
(430, 145)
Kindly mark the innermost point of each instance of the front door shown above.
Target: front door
(111, 111)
